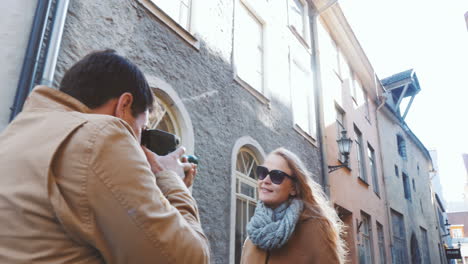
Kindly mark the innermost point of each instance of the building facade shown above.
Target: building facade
(235, 80)
(233, 87)
(349, 104)
(407, 165)
(440, 203)
(458, 220)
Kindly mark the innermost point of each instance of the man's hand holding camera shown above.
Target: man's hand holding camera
(173, 162)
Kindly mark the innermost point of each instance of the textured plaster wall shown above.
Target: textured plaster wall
(221, 111)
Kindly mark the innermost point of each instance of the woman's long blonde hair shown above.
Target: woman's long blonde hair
(316, 204)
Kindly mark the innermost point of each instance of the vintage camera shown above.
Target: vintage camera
(163, 143)
(158, 141)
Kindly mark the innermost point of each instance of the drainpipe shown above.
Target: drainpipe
(315, 60)
(319, 105)
(55, 41)
(387, 206)
(31, 58)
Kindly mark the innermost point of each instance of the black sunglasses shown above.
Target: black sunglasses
(276, 176)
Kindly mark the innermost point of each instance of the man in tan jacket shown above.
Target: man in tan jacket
(77, 187)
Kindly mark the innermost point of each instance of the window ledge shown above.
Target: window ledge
(361, 180)
(171, 23)
(300, 38)
(306, 135)
(258, 95)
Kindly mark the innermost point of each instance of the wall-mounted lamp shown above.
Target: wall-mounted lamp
(448, 228)
(344, 145)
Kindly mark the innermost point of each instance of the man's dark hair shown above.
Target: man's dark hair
(103, 75)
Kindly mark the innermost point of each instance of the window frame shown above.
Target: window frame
(309, 133)
(260, 94)
(360, 157)
(186, 34)
(304, 36)
(399, 237)
(381, 243)
(425, 245)
(366, 222)
(366, 105)
(401, 147)
(242, 178)
(253, 145)
(406, 186)
(177, 110)
(373, 169)
(340, 126)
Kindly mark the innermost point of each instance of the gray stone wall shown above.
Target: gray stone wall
(420, 211)
(220, 109)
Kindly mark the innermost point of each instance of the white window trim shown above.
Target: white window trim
(254, 8)
(183, 33)
(169, 95)
(312, 119)
(255, 147)
(303, 39)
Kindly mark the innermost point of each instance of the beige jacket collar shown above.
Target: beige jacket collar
(43, 97)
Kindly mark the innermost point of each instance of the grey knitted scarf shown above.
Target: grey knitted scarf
(271, 228)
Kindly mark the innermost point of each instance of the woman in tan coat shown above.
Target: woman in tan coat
(293, 222)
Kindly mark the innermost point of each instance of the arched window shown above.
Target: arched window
(246, 195)
(162, 118)
(170, 113)
(246, 155)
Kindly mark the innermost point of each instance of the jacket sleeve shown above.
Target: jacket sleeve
(139, 217)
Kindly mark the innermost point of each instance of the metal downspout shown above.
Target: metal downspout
(55, 41)
(31, 57)
(319, 104)
(382, 170)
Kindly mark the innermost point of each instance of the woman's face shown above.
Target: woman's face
(272, 195)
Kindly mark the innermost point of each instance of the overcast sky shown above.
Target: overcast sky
(431, 37)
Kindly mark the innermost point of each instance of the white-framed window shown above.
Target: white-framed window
(329, 62)
(328, 49)
(366, 105)
(163, 118)
(345, 71)
(178, 10)
(340, 127)
(249, 47)
(357, 90)
(246, 196)
(373, 168)
(360, 155)
(298, 19)
(176, 15)
(303, 101)
(366, 236)
(381, 241)
(170, 113)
